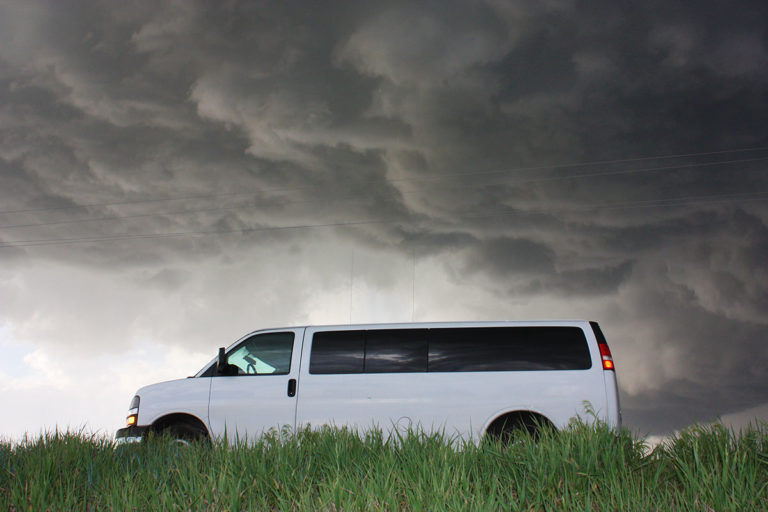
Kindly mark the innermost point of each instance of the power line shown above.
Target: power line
(421, 178)
(154, 200)
(116, 203)
(634, 171)
(596, 162)
(710, 199)
(123, 217)
(405, 192)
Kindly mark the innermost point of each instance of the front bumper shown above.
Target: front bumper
(132, 434)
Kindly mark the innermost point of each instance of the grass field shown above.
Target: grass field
(582, 468)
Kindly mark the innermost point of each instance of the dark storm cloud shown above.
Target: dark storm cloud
(685, 403)
(709, 364)
(435, 124)
(531, 267)
(588, 281)
(507, 256)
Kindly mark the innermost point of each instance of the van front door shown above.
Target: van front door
(262, 395)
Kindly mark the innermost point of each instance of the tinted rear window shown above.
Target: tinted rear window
(337, 352)
(488, 349)
(396, 350)
(476, 349)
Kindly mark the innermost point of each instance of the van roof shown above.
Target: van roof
(454, 323)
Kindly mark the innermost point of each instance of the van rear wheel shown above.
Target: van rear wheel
(509, 428)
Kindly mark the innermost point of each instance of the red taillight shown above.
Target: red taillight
(605, 354)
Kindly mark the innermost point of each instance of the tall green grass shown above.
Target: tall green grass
(707, 468)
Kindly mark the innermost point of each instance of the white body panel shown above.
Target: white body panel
(457, 403)
(183, 396)
(612, 403)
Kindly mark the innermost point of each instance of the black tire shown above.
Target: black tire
(511, 429)
(183, 434)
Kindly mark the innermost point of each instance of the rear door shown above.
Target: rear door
(263, 394)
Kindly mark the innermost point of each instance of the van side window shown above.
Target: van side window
(396, 351)
(477, 349)
(371, 351)
(487, 349)
(337, 352)
(263, 354)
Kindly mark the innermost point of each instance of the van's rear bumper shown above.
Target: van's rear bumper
(130, 434)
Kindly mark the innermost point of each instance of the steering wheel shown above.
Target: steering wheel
(251, 368)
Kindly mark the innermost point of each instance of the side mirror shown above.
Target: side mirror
(223, 367)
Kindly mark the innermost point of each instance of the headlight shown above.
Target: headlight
(133, 412)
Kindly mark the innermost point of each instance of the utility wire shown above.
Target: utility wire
(402, 193)
(584, 164)
(710, 199)
(134, 216)
(416, 178)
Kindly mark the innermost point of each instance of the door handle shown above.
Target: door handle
(291, 387)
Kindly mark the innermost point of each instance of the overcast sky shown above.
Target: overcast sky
(174, 175)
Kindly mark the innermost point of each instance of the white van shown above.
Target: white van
(469, 379)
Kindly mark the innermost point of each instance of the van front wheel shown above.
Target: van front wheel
(183, 435)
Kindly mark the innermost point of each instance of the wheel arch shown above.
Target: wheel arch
(525, 419)
(180, 418)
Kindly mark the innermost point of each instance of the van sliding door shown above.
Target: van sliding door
(364, 378)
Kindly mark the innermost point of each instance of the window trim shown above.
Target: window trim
(211, 371)
(429, 332)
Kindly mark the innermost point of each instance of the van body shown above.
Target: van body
(466, 380)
